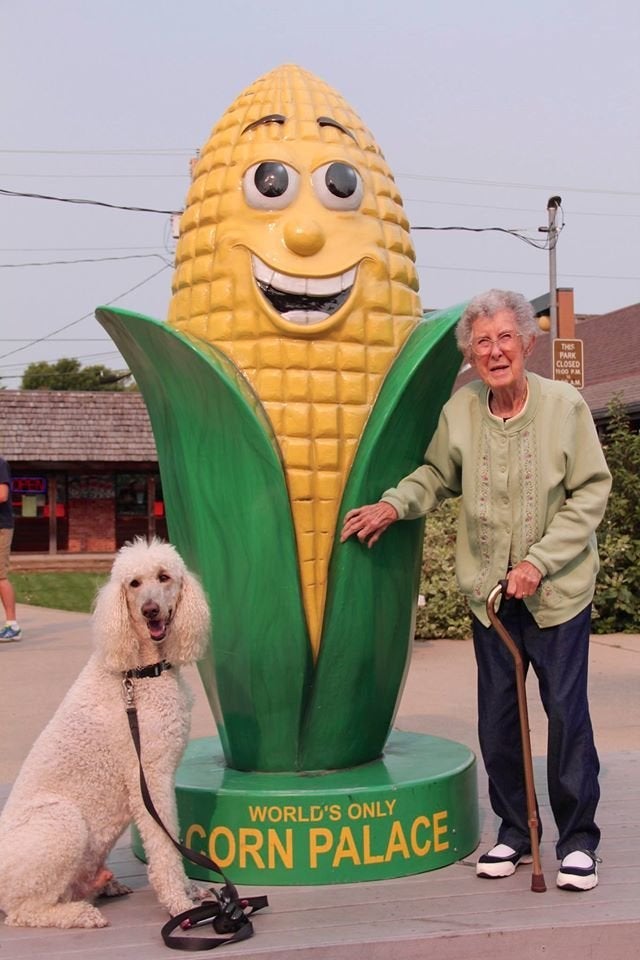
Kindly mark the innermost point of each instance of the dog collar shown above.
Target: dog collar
(153, 670)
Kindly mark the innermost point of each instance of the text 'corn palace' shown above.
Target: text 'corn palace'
(295, 260)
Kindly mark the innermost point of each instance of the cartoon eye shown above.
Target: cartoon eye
(338, 186)
(270, 185)
(134, 584)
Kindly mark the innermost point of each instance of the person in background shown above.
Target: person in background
(11, 629)
(523, 453)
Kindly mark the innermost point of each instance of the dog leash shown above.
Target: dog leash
(229, 913)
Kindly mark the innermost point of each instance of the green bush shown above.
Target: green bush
(616, 605)
(445, 613)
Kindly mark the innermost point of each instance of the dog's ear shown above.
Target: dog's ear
(191, 620)
(112, 632)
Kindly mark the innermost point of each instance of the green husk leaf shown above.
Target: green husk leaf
(372, 593)
(229, 515)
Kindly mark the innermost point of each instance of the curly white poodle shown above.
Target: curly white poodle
(79, 787)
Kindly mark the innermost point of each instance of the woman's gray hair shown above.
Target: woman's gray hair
(487, 305)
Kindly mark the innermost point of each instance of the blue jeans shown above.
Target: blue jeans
(559, 656)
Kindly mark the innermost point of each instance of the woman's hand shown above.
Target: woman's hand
(523, 580)
(368, 523)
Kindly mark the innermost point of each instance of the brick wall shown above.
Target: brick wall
(92, 526)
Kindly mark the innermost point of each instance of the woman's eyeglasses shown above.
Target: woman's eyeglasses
(483, 346)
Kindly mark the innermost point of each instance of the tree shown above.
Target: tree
(68, 374)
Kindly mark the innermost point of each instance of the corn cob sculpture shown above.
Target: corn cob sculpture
(295, 287)
(323, 294)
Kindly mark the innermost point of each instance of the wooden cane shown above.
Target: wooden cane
(537, 878)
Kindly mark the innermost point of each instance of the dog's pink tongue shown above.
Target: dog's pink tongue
(157, 629)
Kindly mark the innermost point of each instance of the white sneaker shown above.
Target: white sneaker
(500, 861)
(578, 871)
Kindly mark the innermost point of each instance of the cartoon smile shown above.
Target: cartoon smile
(305, 301)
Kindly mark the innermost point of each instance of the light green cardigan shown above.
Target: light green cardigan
(533, 488)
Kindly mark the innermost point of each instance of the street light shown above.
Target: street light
(553, 204)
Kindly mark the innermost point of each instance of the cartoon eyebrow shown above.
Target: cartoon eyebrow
(330, 122)
(270, 118)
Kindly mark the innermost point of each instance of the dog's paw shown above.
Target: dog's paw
(65, 916)
(196, 893)
(177, 904)
(114, 888)
(90, 918)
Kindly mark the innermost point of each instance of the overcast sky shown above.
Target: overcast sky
(483, 111)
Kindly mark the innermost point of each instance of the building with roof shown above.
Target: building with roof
(85, 467)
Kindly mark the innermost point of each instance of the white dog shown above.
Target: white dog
(79, 787)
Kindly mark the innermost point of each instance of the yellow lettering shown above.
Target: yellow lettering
(215, 854)
(368, 857)
(347, 849)
(420, 851)
(195, 828)
(316, 846)
(439, 831)
(397, 842)
(249, 843)
(284, 851)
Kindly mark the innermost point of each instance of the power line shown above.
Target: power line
(87, 356)
(538, 244)
(160, 152)
(190, 152)
(86, 316)
(92, 203)
(57, 263)
(59, 340)
(70, 249)
(523, 273)
(520, 186)
(98, 176)
(492, 206)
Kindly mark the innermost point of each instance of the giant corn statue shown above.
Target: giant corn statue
(298, 378)
(295, 260)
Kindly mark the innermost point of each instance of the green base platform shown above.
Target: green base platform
(414, 810)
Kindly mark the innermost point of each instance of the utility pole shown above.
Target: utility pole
(553, 203)
(567, 354)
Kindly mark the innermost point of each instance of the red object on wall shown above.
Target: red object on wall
(29, 485)
(59, 510)
(158, 508)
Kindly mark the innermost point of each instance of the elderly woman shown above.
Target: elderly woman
(523, 453)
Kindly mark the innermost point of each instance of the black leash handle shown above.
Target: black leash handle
(228, 911)
(237, 918)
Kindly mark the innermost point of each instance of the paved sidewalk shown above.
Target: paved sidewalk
(446, 914)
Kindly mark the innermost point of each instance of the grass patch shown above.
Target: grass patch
(72, 590)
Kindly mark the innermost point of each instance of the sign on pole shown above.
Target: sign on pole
(568, 363)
